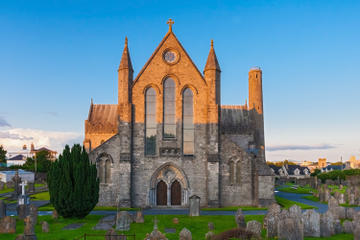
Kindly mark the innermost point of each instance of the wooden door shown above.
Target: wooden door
(161, 193)
(175, 193)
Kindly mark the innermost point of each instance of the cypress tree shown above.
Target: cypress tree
(73, 183)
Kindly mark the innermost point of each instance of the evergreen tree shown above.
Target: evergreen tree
(2, 154)
(73, 183)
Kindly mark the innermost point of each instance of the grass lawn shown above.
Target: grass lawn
(6, 190)
(290, 189)
(286, 203)
(49, 207)
(197, 225)
(244, 208)
(40, 196)
(39, 185)
(316, 199)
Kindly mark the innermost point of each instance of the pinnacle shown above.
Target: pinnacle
(125, 62)
(212, 62)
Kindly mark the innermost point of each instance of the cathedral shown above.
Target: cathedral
(169, 138)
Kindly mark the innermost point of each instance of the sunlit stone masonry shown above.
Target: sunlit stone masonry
(169, 138)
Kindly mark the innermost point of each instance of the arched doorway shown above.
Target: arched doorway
(175, 193)
(161, 193)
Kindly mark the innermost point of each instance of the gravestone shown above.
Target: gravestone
(356, 232)
(254, 227)
(326, 224)
(185, 234)
(45, 227)
(341, 198)
(123, 221)
(209, 235)
(29, 230)
(16, 184)
(20, 237)
(2, 209)
(211, 226)
(106, 223)
(290, 226)
(311, 220)
(33, 213)
(7, 225)
(351, 199)
(139, 217)
(272, 218)
(2, 185)
(350, 213)
(348, 226)
(73, 226)
(22, 211)
(337, 227)
(240, 219)
(194, 209)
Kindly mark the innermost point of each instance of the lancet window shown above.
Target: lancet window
(150, 122)
(188, 128)
(169, 126)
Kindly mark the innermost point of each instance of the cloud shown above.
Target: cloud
(7, 135)
(299, 147)
(4, 123)
(14, 139)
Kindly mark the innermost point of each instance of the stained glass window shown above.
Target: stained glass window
(169, 127)
(188, 123)
(150, 122)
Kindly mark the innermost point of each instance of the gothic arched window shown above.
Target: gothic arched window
(101, 171)
(150, 122)
(188, 122)
(238, 172)
(169, 127)
(108, 171)
(232, 172)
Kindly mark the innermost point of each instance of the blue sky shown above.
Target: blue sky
(56, 55)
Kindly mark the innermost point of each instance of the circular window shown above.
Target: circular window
(170, 56)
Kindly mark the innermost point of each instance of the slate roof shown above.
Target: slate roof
(334, 167)
(17, 157)
(291, 169)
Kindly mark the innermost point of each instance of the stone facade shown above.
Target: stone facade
(226, 164)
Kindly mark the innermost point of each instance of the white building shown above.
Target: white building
(6, 176)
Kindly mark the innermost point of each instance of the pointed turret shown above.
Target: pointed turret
(212, 76)
(125, 62)
(212, 62)
(125, 76)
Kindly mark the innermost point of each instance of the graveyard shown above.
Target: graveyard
(328, 210)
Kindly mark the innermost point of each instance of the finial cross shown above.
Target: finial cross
(170, 22)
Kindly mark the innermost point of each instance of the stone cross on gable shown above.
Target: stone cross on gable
(23, 184)
(170, 22)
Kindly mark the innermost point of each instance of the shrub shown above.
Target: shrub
(73, 183)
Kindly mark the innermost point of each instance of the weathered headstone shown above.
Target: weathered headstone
(271, 220)
(351, 199)
(7, 225)
(22, 211)
(155, 235)
(211, 226)
(348, 226)
(350, 213)
(194, 203)
(337, 227)
(326, 224)
(29, 230)
(2, 209)
(2, 185)
(139, 217)
(254, 227)
(20, 237)
(341, 198)
(123, 221)
(55, 214)
(240, 219)
(356, 232)
(33, 213)
(185, 234)
(209, 235)
(45, 227)
(17, 188)
(311, 220)
(290, 226)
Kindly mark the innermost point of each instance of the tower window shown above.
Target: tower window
(150, 122)
(169, 126)
(188, 123)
